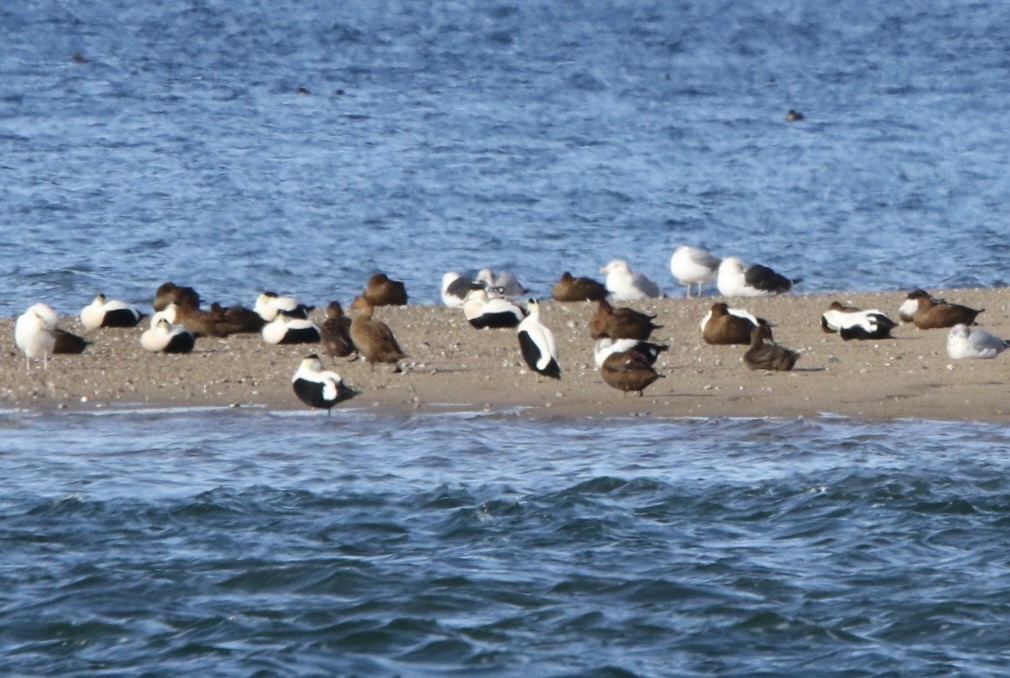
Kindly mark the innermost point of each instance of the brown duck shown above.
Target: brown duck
(629, 371)
(932, 315)
(336, 331)
(570, 288)
(764, 356)
(373, 338)
(381, 291)
(237, 319)
(170, 293)
(620, 323)
(723, 327)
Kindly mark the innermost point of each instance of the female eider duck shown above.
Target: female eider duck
(373, 338)
(911, 304)
(931, 315)
(693, 266)
(285, 330)
(165, 337)
(500, 284)
(115, 313)
(170, 293)
(625, 284)
(723, 325)
(383, 291)
(536, 341)
(455, 287)
(336, 330)
(853, 323)
(628, 371)
(570, 288)
(269, 304)
(737, 280)
(317, 387)
(36, 335)
(764, 356)
(971, 342)
(620, 323)
(482, 312)
(606, 347)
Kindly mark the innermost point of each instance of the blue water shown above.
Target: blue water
(537, 137)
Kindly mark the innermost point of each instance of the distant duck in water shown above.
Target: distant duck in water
(336, 330)
(317, 387)
(537, 344)
(766, 356)
(570, 289)
(373, 338)
(382, 291)
(629, 371)
(285, 330)
(165, 337)
(853, 323)
(620, 323)
(269, 304)
(115, 313)
(483, 312)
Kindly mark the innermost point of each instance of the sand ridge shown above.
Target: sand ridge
(452, 366)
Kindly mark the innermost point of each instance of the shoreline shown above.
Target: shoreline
(454, 368)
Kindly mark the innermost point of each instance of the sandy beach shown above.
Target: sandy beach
(452, 366)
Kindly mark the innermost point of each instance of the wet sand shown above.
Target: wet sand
(452, 366)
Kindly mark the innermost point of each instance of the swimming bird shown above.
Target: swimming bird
(971, 342)
(765, 356)
(931, 315)
(620, 323)
(373, 338)
(724, 325)
(317, 387)
(383, 291)
(336, 330)
(37, 336)
(628, 371)
(606, 347)
(737, 280)
(793, 116)
(500, 284)
(693, 266)
(570, 288)
(165, 337)
(536, 342)
(285, 330)
(115, 313)
(625, 284)
(170, 293)
(455, 287)
(483, 312)
(269, 304)
(854, 323)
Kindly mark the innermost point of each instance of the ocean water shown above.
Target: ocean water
(475, 544)
(537, 137)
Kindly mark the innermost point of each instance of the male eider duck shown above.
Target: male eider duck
(628, 371)
(483, 312)
(269, 304)
(382, 291)
(971, 342)
(693, 266)
(317, 387)
(931, 315)
(625, 284)
(500, 284)
(570, 288)
(765, 356)
(373, 338)
(536, 342)
(115, 313)
(620, 323)
(285, 330)
(723, 325)
(606, 347)
(165, 337)
(455, 287)
(737, 280)
(853, 323)
(170, 293)
(336, 330)
(36, 335)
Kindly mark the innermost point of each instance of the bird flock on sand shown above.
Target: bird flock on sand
(489, 300)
